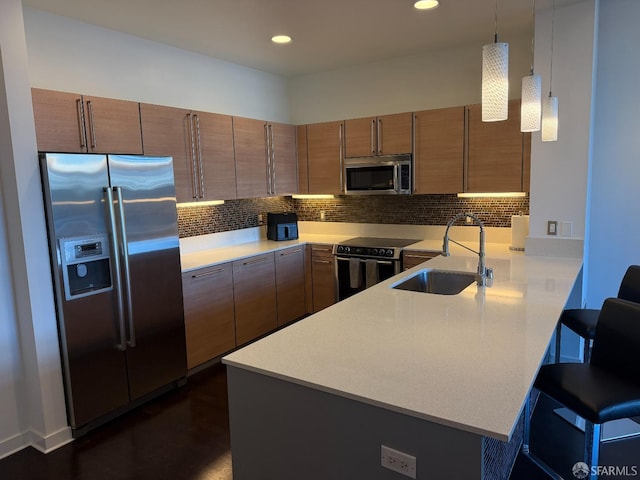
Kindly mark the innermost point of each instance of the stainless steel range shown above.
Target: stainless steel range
(364, 261)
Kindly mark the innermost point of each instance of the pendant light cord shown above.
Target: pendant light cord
(495, 37)
(533, 35)
(553, 18)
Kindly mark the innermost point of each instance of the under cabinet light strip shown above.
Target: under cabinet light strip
(492, 194)
(201, 204)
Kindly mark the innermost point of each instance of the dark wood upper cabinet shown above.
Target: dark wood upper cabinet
(381, 135)
(75, 123)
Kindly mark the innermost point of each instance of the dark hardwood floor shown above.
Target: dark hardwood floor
(185, 435)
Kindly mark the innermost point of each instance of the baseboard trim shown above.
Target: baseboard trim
(48, 443)
(32, 438)
(13, 444)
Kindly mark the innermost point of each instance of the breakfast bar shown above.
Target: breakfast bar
(440, 378)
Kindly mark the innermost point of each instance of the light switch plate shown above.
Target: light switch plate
(552, 227)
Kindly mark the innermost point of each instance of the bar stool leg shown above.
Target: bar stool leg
(586, 351)
(592, 447)
(527, 425)
(558, 336)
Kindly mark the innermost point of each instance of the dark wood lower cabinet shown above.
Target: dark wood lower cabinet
(254, 285)
(323, 277)
(290, 284)
(229, 305)
(208, 313)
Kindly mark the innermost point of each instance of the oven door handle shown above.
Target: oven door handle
(382, 262)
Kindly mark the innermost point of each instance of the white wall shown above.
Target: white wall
(614, 228)
(38, 404)
(418, 82)
(72, 56)
(10, 364)
(559, 170)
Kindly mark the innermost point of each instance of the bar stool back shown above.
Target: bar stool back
(606, 388)
(583, 321)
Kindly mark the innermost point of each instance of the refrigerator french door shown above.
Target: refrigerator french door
(114, 245)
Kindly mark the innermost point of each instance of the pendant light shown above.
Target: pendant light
(531, 102)
(550, 104)
(495, 79)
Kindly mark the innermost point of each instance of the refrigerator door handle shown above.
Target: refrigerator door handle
(117, 282)
(125, 266)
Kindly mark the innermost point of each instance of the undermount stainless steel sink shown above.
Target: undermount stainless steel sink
(440, 282)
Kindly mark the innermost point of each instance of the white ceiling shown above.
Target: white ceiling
(327, 34)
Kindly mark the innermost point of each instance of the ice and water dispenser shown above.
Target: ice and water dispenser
(85, 265)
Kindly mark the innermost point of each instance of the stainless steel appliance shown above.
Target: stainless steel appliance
(282, 226)
(361, 262)
(390, 174)
(115, 256)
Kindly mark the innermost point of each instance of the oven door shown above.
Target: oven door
(354, 274)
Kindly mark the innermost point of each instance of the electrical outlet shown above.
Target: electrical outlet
(322, 215)
(260, 219)
(398, 461)
(552, 227)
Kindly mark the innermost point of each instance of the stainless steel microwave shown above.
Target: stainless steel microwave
(390, 174)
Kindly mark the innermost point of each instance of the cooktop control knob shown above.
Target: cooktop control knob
(389, 253)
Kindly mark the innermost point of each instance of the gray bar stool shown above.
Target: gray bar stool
(583, 321)
(604, 389)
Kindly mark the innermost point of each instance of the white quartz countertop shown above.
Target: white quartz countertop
(466, 361)
(214, 256)
(217, 255)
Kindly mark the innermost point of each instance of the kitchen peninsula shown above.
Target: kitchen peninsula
(442, 378)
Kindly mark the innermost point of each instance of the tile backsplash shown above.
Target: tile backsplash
(382, 209)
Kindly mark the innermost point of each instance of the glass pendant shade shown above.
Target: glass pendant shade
(550, 119)
(495, 82)
(531, 107)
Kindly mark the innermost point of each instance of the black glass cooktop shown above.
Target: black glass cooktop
(378, 242)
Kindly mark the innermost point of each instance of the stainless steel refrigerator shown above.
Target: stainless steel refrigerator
(113, 237)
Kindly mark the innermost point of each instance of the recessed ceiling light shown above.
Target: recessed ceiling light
(281, 39)
(426, 4)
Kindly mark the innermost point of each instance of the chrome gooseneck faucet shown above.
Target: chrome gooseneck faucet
(483, 271)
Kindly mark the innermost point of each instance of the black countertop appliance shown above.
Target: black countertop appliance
(282, 226)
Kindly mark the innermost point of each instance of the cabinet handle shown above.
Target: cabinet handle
(199, 155)
(465, 152)
(341, 154)
(317, 260)
(267, 142)
(416, 158)
(83, 132)
(255, 261)
(92, 126)
(194, 185)
(208, 273)
(321, 249)
(379, 132)
(273, 160)
(290, 252)
(419, 256)
(373, 147)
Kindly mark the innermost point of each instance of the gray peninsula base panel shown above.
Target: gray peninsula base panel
(287, 431)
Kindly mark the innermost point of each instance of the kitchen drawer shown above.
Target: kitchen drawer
(412, 258)
(321, 250)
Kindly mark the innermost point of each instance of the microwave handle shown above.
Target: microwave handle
(396, 178)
